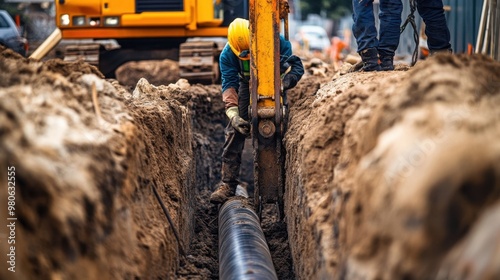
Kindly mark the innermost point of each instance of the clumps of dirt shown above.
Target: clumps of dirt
(69, 69)
(156, 72)
(388, 172)
(86, 154)
(317, 67)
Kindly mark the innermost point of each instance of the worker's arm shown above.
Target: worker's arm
(285, 47)
(296, 67)
(229, 68)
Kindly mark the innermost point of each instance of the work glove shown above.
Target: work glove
(289, 81)
(238, 122)
(241, 125)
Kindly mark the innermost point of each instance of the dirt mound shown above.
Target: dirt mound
(156, 72)
(83, 151)
(388, 172)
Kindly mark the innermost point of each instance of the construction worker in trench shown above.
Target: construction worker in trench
(377, 54)
(235, 73)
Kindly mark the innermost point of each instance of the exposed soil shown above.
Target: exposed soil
(388, 172)
(91, 207)
(155, 72)
(390, 175)
(84, 180)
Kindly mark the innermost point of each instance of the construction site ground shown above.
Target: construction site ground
(389, 175)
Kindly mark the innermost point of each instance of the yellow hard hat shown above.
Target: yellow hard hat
(238, 37)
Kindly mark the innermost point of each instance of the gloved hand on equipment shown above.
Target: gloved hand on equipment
(241, 125)
(296, 71)
(289, 81)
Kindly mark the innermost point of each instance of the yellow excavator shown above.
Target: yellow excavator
(145, 30)
(268, 112)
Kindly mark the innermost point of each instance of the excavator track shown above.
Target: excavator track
(198, 61)
(86, 52)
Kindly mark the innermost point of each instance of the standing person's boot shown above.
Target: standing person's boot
(370, 59)
(386, 63)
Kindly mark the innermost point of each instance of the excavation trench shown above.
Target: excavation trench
(381, 179)
(88, 153)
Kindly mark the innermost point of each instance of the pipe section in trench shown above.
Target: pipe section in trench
(243, 250)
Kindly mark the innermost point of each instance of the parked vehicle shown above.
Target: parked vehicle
(9, 34)
(313, 38)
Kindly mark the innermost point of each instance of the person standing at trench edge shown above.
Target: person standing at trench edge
(373, 50)
(235, 71)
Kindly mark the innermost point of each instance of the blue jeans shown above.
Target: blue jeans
(438, 34)
(364, 25)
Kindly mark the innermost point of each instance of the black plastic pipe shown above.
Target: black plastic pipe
(243, 250)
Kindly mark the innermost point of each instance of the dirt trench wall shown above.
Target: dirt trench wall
(84, 203)
(388, 172)
(208, 121)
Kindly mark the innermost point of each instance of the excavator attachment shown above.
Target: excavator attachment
(198, 61)
(267, 108)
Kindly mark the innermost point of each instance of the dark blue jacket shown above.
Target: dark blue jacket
(230, 66)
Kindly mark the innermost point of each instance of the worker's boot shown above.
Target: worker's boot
(222, 193)
(386, 63)
(227, 187)
(370, 59)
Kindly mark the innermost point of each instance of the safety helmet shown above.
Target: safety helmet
(238, 37)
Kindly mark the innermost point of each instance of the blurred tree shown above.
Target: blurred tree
(333, 9)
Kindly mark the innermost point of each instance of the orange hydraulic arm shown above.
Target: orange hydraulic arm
(267, 107)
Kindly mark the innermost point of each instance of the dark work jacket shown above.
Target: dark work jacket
(230, 65)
